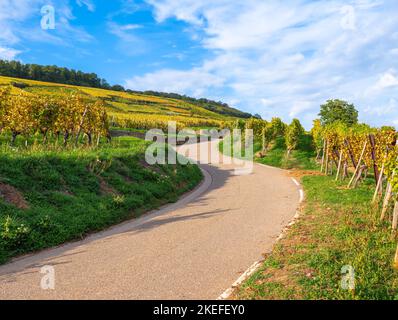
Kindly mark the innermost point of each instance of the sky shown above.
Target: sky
(275, 58)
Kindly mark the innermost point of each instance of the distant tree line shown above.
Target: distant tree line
(52, 74)
(56, 74)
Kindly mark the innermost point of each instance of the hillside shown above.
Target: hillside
(49, 195)
(55, 185)
(133, 110)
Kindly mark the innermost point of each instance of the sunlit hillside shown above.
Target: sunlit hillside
(131, 110)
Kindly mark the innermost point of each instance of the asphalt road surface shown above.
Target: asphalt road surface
(193, 249)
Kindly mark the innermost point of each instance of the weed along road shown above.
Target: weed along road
(193, 249)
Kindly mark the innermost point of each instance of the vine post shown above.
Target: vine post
(386, 201)
(339, 165)
(323, 154)
(358, 164)
(395, 217)
(379, 186)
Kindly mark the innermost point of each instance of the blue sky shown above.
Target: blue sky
(275, 58)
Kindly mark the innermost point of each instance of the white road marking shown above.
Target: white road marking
(296, 182)
(301, 195)
(227, 293)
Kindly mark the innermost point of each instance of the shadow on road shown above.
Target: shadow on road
(37, 260)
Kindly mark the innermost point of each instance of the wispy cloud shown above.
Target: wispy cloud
(295, 53)
(20, 20)
(387, 80)
(129, 43)
(8, 54)
(195, 81)
(88, 3)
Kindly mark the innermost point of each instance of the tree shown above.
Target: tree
(335, 110)
(267, 136)
(317, 137)
(117, 87)
(256, 125)
(292, 136)
(278, 127)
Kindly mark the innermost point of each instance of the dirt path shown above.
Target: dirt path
(193, 249)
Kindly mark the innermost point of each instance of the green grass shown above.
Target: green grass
(66, 196)
(301, 158)
(337, 227)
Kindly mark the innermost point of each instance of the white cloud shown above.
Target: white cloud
(293, 53)
(299, 107)
(390, 108)
(8, 54)
(130, 27)
(394, 51)
(12, 12)
(129, 43)
(387, 80)
(88, 3)
(20, 20)
(122, 31)
(194, 82)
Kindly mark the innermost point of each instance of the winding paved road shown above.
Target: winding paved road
(193, 249)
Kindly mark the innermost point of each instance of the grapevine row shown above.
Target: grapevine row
(362, 149)
(68, 115)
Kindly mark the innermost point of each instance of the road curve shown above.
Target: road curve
(193, 249)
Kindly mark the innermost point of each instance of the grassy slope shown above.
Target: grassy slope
(73, 192)
(302, 158)
(123, 104)
(337, 227)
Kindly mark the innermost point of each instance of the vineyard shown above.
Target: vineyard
(350, 153)
(349, 217)
(68, 115)
(365, 150)
(350, 157)
(124, 110)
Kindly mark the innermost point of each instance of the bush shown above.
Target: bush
(20, 85)
(293, 133)
(12, 233)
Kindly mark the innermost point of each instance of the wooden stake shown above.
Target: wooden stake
(372, 142)
(359, 175)
(395, 217)
(347, 144)
(323, 154)
(379, 185)
(358, 164)
(339, 165)
(345, 170)
(327, 159)
(81, 125)
(396, 259)
(387, 198)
